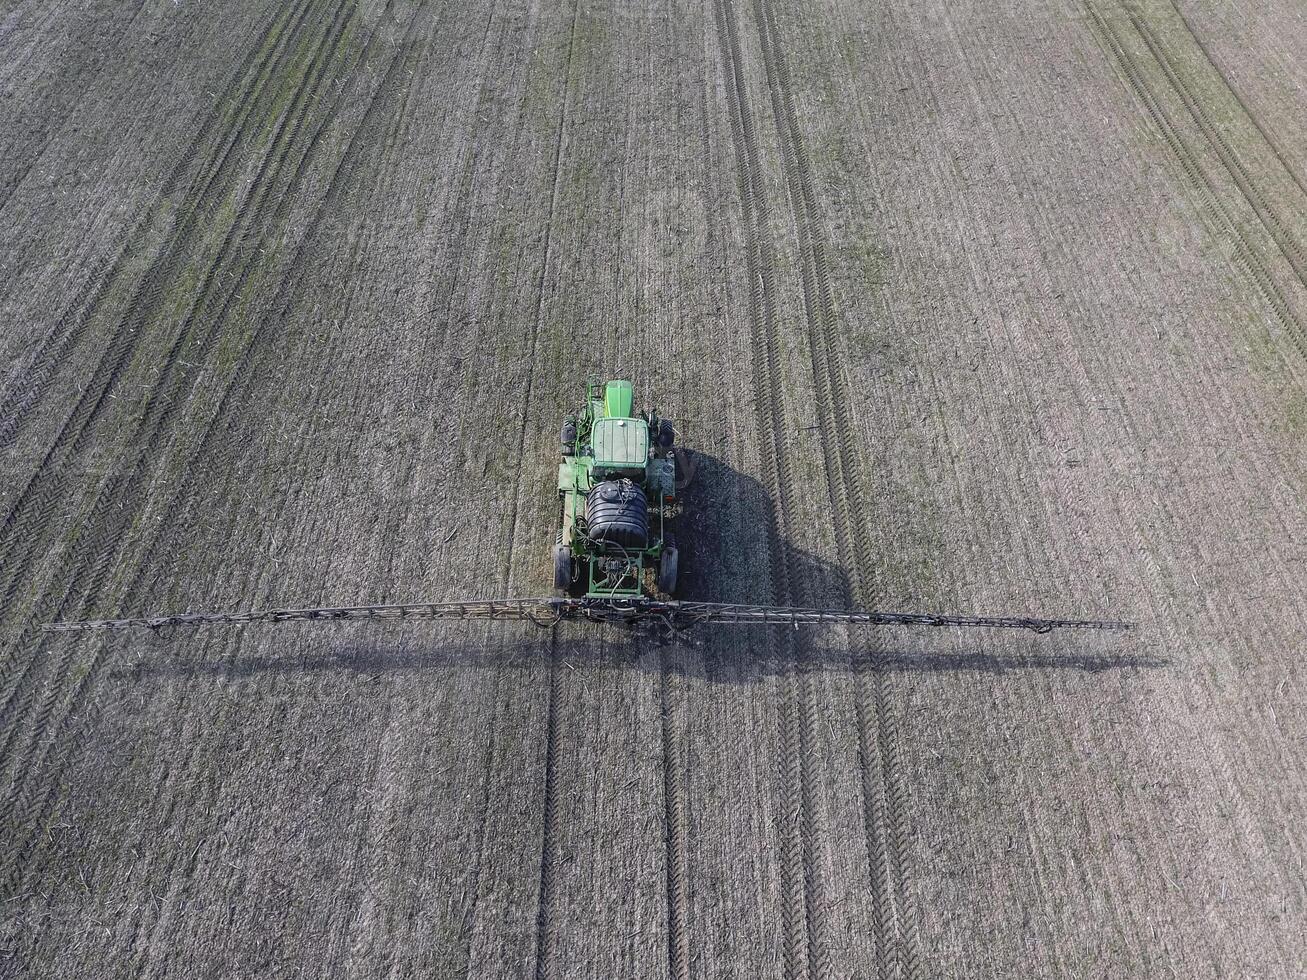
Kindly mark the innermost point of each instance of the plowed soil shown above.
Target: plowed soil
(973, 307)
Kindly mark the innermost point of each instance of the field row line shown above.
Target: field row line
(216, 454)
(1246, 255)
(882, 788)
(804, 944)
(28, 526)
(546, 939)
(211, 446)
(121, 497)
(109, 42)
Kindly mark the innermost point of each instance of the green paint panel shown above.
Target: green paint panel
(618, 399)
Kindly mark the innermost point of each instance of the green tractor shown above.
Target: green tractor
(617, 489)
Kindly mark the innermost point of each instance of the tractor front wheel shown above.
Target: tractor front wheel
(667, 570)
(562, 567)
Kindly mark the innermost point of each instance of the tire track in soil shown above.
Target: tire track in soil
(213, 186)
(493, 757)
(1224, 777)
(81, 85)
(546, 927)
(50, 353)
(540, 289)
(142, 309)
(18, 676)
(678, 928)
(215, 455)
(1271, 141)
(1208, 199)
(25, 392)
(104, 530)
(1270, 220)
(382, 107)
(882, 786)
(24, 801)
(802, 924)
(29, 518)
(173, 384)
(460, 211)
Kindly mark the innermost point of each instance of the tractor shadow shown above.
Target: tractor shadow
(726, 535)
(727, 551)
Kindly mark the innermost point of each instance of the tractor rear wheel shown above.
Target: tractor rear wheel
(562, 567)
(667, 570)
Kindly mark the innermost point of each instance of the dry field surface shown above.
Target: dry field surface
(965, 306)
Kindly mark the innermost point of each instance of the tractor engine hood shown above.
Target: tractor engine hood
(620, 445)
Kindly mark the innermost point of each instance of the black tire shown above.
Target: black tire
(562, 567)
(667, 567)
(567, 437)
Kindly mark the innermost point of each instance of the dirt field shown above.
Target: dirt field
(974, 307)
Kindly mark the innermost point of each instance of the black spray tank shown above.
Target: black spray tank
(617, 513)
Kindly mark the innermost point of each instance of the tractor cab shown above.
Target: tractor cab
(616, 483)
